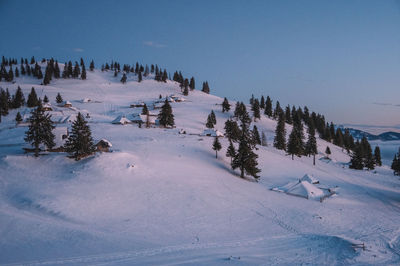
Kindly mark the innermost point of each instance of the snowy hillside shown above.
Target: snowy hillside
(161, 197)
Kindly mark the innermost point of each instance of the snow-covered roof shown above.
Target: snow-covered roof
(136, 118)
(67, 102)
(86, 100)
(121, 120)
(309, 178)
(307, 190)
(106, 142)
(59, 132)
(47, 105)
(212, 132)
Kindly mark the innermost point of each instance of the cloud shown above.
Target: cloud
(386, 104)
(78, 50)
(154, 44)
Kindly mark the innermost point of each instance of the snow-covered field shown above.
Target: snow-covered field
(178, 204)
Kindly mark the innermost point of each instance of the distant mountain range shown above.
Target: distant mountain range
(386, 136)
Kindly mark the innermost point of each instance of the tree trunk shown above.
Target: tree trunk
(36, 150)
(314, 160)
(241, 172)
(292, 156)
(216, 154)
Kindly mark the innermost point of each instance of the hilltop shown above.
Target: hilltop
(161, 197)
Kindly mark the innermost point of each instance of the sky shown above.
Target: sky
(340, 58)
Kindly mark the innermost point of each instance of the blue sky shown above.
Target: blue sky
(340, 58)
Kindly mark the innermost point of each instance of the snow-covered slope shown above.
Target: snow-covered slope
(162, 198)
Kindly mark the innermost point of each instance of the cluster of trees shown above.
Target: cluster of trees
(396, 164)
(362, 156)
(32, 68)
(79, 143)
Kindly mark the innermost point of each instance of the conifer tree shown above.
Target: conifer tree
(311, 145)
(140, 78)
(123, 79)
(377, 156)
(213, 118)
(210, 122)
(192, 84)
(80, 142)
(256, 109)
(18, 118)
(262, 102)
(263, 139)
(256, 136)
(268, 107)
(32, 98)
(45, 99)
(232, 130)
(83, 74)
(19, 99)
(216, 146)
(145, 111)
(356, 161)
(231, 151)
(225, 105)
(369, 161)
(245, 159)
(59, 99)
(205, 88)
(186, 90)
(280, 133)
(91, 67)
(277, 110)
(396, 164)
(4, 106)
(288, 115)
(40, 129)
(295, 144)
(328, 151)
(165, 117)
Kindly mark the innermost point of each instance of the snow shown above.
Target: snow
(121, 120)
(179, 204)
(212, 132)
(309, 178)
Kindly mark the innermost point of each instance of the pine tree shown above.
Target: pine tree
(91, 67)
(256, 109)
(124, 78)
(256, 136)
(59, 99)
(396, 164)
(288, 115)
(83, 74)
(3, 103)
(377, 156)
(80, 142)
(32, 98)
(262, 102)
(210, 122)
(213, 118)
(280, 133)
(232, 130)
(328, 151)
(45, 99)
(368, 158)
(339, 141)
(192, 84)
(140, 78)
(40, 129)
(231, 151)
(225, 105)
(186, 90)
(263, 140)
(165, 117)
(19, 99)
(245, 159)
(356, 161)
(205, 88)
(145, 111)
(311, 145)
(295, 144)
(18, 118)
(268, 107)
(277, 110)
(216, 146)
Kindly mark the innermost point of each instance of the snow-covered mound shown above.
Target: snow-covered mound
(161, 197)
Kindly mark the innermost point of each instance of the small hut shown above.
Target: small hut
(67, 104)
(47, 107)
(103, 145)
(122, 120)
(211, 132)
